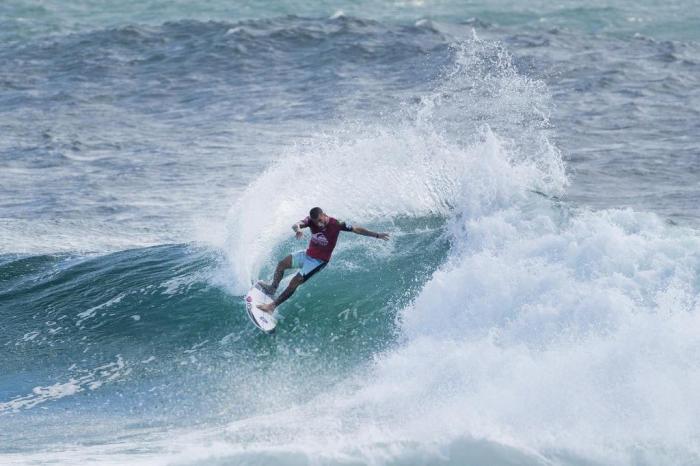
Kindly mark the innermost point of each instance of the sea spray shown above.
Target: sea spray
(555, 331)
(415, 163)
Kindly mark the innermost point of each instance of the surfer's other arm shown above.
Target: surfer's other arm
(298, 226)
(365, 232)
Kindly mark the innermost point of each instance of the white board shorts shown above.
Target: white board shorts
(308, 265)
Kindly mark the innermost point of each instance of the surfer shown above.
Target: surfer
(324, 235)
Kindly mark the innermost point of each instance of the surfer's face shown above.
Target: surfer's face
(321, 221)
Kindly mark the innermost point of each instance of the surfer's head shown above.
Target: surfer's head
(318, 216)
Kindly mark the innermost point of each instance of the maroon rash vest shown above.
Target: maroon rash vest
(323, 239)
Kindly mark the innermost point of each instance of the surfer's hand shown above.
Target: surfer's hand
(384, 236)
(299, 234)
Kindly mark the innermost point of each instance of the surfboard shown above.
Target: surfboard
(263, 320)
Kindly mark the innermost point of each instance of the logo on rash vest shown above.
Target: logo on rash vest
(319, 238)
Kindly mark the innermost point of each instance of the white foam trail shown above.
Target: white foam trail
(90, 313)
(90, 379)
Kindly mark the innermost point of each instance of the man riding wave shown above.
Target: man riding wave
(324, 235)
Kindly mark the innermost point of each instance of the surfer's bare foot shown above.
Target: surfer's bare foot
(267, 289)
(269, 307)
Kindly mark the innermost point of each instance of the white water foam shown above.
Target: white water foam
(577, 335)
(567, 334)
(551, 335)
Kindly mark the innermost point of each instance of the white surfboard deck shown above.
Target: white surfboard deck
(263, 320)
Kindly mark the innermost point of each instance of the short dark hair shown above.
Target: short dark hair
(315, 212)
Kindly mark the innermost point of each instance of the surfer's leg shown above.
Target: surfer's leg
(310, 267)
(297, 280)
(283, 265)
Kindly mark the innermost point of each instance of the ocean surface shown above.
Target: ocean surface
(537, 165)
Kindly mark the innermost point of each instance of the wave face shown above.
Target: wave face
(507, 321)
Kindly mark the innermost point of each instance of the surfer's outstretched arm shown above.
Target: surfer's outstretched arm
(365, 232)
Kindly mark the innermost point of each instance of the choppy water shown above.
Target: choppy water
(537, 167)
